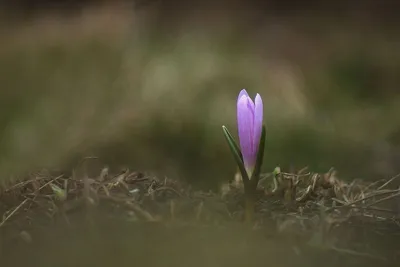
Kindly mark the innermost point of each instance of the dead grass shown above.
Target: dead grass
(310, 211)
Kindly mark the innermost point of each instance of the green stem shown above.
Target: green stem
(249, 204)
(249, 209)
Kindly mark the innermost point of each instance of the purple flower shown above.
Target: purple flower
(250, 118)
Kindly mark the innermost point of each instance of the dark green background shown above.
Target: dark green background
(153, 94)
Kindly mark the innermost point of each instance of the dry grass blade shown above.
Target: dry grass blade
(388, 182)
(12, 212)
(301, 204)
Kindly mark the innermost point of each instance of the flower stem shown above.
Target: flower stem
(249, 208)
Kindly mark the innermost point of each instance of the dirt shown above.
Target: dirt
(134, 219)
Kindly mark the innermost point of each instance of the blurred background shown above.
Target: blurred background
(148, 84)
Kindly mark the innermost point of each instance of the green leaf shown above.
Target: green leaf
(260, 156)
(60, 193)
(236, 153)
(277, 171)
(231, 141)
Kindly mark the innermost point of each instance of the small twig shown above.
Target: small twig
(388, 182)
(49, 182)
(46, 184)
(23, 183)
(350, 204)
(305, 195)
(295, 175)
(302, 170)
(382, 199)
(13, 212)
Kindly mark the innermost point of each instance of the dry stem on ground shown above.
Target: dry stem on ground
(357, 218)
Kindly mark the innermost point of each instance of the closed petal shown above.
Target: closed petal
(258, 122)
(242, 93)
(245, 118)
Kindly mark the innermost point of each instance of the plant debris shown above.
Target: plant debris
(312, 210)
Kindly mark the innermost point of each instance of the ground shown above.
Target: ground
(127, 218)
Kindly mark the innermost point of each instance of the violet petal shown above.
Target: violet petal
(242, 93)
(245, 119)
(258, 122)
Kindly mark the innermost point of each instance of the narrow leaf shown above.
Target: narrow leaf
(231, 140)
(236, 153)
(260, 156)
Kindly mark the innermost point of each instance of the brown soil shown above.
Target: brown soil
(131, 218)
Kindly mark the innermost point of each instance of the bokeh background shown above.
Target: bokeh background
(148, 84)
